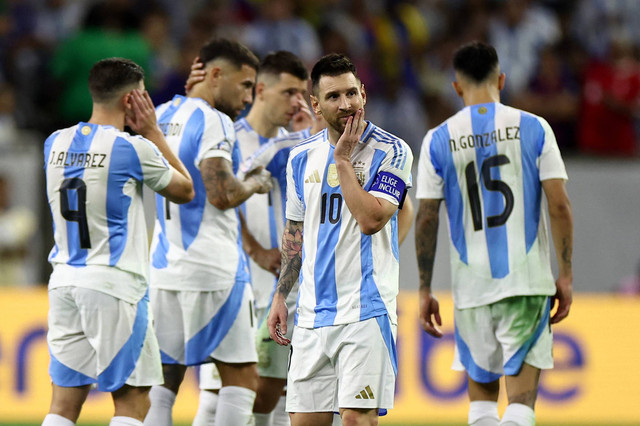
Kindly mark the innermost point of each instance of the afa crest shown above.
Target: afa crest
(332, 176)
(361, 175)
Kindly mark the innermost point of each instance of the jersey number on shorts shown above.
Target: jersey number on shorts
(78, 215)
(334, 207)
(492, 185)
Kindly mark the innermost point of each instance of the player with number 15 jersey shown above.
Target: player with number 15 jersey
(487, 162)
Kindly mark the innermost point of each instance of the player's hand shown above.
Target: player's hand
(563, 298)
(197, 74)
(351, 136)
(268, 259)
(304, 118)
(140, 114)
(430, 311)
(277, 320)
(262, 177)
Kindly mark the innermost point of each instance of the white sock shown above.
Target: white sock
(337, 420)
(56, 420)
(518, 415)
(235, 406)
(161, 411)
(124, 421)
(262, 419)
(483, 413)
(207, 407)
(280, 415)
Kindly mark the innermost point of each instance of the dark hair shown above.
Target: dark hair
(230, 50)
(109, 77)
(476, 60)
(283, 61)
(331, 65)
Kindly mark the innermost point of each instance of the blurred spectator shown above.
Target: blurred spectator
(8, 129)
(611, 103)
(399, 110)
(554, 93)
(17, 226)
(519, 32)
(279, 29)
(164, 56)
(111, 28)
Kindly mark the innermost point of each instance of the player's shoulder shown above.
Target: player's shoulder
(310, 143)
(379, 138)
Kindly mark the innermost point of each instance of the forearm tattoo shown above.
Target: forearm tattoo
(291, 256)
(426, 240)
(567, 251)
(219, 181)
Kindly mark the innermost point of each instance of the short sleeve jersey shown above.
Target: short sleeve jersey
(346, 276)
(195, 246)
(264, 213)
(488, 162)
(94, 177)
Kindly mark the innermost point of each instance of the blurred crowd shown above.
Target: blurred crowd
(574, 62)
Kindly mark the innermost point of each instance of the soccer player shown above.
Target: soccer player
(280, 86)
(200, 285)
(344, 187)
(491, 163)
(99, 322)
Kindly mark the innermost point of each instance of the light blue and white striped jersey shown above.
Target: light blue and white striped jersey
(195, 246)
(264, 213)
(487, 162)
(94, 179)
(346, 276)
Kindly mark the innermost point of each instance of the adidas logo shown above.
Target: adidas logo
(365, 393)
(313, 177)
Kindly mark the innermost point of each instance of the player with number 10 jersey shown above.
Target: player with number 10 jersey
(334, 246)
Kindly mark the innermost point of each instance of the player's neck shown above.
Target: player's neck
(259, 123)
(333, 135)
(199, 91)
(481, 95)
(107, 117)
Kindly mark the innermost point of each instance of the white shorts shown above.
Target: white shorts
(496, 339)
(97, 338)
(273, 359)
(194, 327)
(342, 366)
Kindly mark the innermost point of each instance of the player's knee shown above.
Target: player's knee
(357, 417)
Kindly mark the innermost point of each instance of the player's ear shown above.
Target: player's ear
(259, 89)
(501, 80)
(315, 106)
(457, 87)
(364, 95)
(214, 74)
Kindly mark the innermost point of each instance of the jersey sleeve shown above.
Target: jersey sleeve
(156, 171)
(430, 183)
(550, 162)
(295, 195)
(394, 175)
(269, 154)
(218, 138)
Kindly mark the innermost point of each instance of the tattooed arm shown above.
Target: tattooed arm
(224, 190)
(561, 219)
(426, 240)
(291, 263)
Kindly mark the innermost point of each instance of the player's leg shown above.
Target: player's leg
(365, 355)
(236, 357)
(66, 403)
(483, 405)
(210, 384)
(478, 352)
(526, 338)
(270, 392)
(131, 405)
(169, 327)
(311, 419)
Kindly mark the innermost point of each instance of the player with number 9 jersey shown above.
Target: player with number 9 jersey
(346, 276)
(94, 186)
(487, 162)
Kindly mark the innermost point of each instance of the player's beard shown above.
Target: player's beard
(223, 106)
